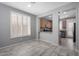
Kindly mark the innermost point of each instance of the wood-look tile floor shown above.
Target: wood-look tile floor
(67, 42)
(36, 48)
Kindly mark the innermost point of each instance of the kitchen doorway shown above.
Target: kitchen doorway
(67, 28)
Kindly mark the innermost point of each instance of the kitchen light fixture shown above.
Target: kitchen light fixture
(50, 16)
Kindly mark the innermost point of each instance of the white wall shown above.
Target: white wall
(5, 39)
(77, 28)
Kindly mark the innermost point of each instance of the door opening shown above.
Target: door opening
(67, 29)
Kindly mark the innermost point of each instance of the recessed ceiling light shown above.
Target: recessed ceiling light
(29, 5)
(64, 12)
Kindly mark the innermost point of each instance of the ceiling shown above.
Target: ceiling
(70, 13)
(37, 8)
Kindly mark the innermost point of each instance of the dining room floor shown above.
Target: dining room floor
(36, 48)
